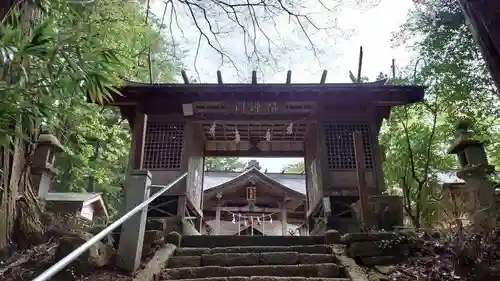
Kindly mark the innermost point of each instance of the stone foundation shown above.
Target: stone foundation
(374, 248)
(387, 211)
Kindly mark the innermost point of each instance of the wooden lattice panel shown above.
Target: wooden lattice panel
(340, 146)
(163, 145)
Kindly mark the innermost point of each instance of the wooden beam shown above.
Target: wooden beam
(185, 77)
(224, 211)
(365, 212)
(338, 93)
(297, 219)
(239, 198)
(360, 63)
(245, 119)
(219, 77)
(242, 153)
(393, 69)
(289, 77)
(323, 77)
(254, 77)
(124, 103)
(253, 210)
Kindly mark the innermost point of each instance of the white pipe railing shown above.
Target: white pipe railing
(60, 265)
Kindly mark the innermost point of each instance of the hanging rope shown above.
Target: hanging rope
(237, 136)
(258, 218)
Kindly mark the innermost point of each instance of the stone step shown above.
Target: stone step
(301, 270)
(232, 240)
(310, 249)
(266, 278)
(248, 259)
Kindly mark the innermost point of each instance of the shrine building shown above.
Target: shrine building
(252, 202)
(175, 126)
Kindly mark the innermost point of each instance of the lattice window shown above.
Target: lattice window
(163, 146)
(340, 146)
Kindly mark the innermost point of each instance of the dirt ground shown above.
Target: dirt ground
(28, 264)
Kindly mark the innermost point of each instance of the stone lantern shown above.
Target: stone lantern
(475, 170)
(43, 160)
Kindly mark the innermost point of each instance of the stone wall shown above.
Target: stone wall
(375, 248)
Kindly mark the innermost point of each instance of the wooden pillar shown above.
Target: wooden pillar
(132, 235)
(217, 220)
(138, 139)
(284, 219)
(136, 154)
(362, 186)
(377, 153)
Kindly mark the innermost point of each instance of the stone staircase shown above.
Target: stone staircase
(242, 258)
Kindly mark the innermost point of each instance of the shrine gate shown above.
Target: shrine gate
(175, 126)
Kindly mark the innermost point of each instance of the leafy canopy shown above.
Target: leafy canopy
(416, 137)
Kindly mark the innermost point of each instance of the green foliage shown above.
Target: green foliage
(48, 57)
(295, 168)
(226, 164)
(47, 64)
(97, 140)
(72, 52)
(416, 137)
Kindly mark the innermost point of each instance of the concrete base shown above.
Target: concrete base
(132, 235)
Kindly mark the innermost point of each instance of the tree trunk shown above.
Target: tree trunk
(20, 216)
(21, 219)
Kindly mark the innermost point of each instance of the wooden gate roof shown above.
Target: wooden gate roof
(133, 92)
(279, 103)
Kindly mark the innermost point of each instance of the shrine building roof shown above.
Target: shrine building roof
(295, 182)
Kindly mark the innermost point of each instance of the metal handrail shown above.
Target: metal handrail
(53, 270)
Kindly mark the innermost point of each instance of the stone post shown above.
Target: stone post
(284, 220)
(217, 220)
(43, 160)
(132, 236)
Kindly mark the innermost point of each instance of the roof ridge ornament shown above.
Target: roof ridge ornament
(252, 164)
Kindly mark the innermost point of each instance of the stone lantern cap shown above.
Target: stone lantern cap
(50, 140)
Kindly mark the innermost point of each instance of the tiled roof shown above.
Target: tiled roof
(79, 198)
(71, 196)
(298, 182)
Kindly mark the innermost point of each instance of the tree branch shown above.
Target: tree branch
(248, 16)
